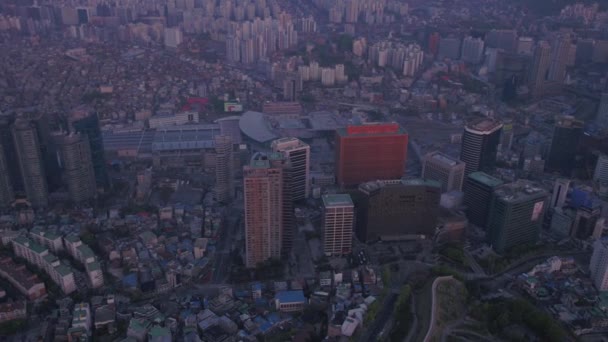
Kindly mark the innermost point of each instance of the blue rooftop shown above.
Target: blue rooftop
(290, 296)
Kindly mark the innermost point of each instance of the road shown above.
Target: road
(436, 282)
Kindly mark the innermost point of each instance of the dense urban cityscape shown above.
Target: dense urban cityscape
(306, 170)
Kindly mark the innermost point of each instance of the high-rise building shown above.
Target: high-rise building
(10, 154)
(173, 37)
(370, 152)
(77, 166)
(599, 264)
(7, 194)
(525, 45)
(560, 192)
(602, 112)
(472, 50)
(263, 196)
(338, 219)
(600, 175)
(444, 169)
(434, 43)
(559, 60)
(516, 215)
(397, 209)
(298, 155)
(224, 169)
(480, 144)
(478, 190)
(565, 143)
(87, 123)
(502, 39)
(449, 47)
(31, 163)
(539, 72)
(585, 221)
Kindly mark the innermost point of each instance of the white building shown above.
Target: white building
(173, 37)
(328, 77)
(599, 265)
(82, 316)
(47, 238)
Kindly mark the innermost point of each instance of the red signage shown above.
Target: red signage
(373, 129)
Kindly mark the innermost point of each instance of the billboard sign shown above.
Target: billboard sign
(232, 107)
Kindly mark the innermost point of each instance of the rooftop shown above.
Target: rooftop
(520, 190)
(372, 129)
(290, 296)
(253, 125)
(485, 179)
(185, 137)
(377, 184)
(444, 159)
(63, 270)
(337, 200)
(484, 126)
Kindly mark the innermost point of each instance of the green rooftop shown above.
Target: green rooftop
(86, 251)
(275, 156)
(63, 270)
(158, 331)
(50, 258)
(486, 179)
(260, 164)
(420, 181)
(46, 234)
(337, 200)
(93, 266)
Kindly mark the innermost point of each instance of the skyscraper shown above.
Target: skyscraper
(516, 215)
(10, 154)
(370, 152)
(298, 154)
(30, 162)
(224, 169)
(602, 112)
(566, 137)
(444, 169)
(263, 197)
(539, 72)
(7, 194)
(434, 43)
(397, 209)
(502, 39)
(88, 123)
(449, 47)
(559, 60)
(478, 190)
(601, 170)
(77, 166)
(599, 264)
(480, 144)
(338, 219)
(560, 192)
(472, 50)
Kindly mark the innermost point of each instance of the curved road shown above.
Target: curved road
(436, 282)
